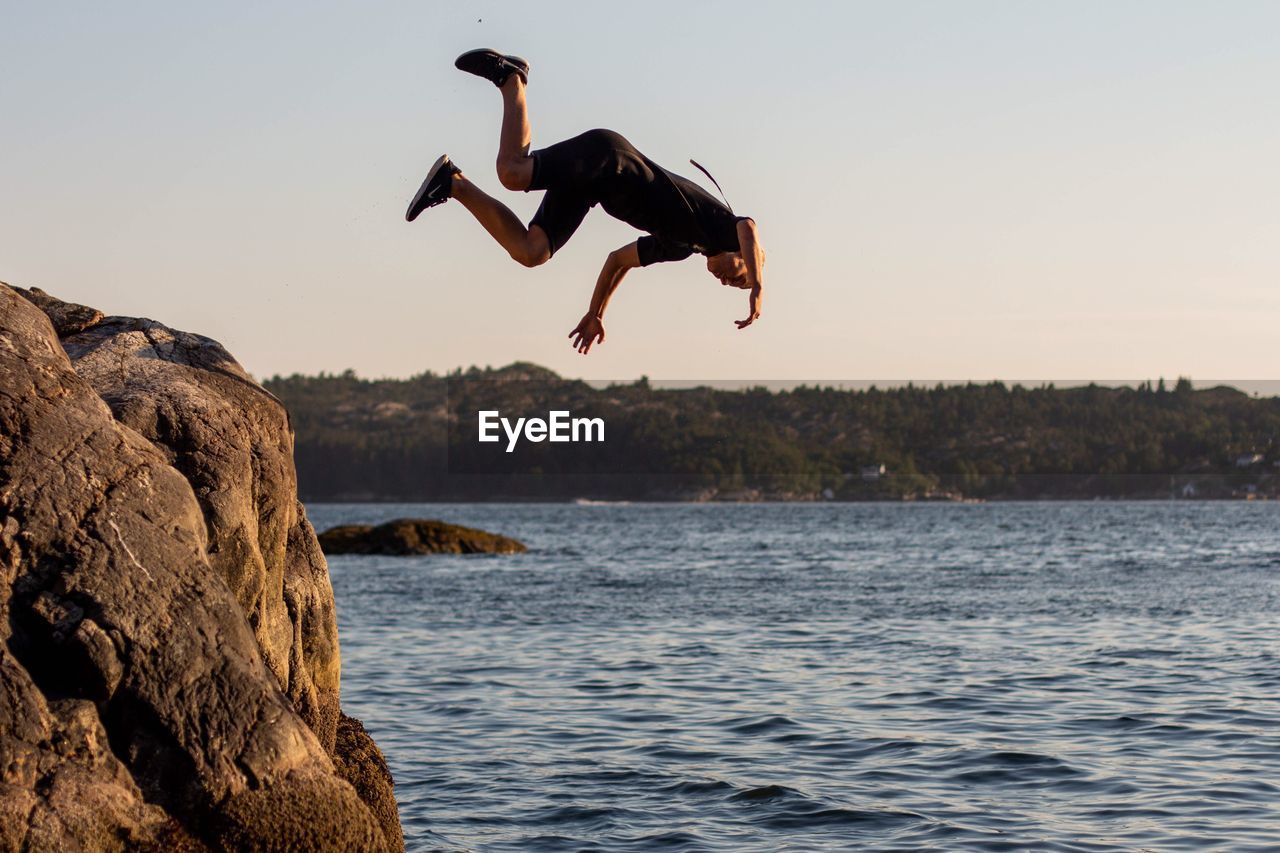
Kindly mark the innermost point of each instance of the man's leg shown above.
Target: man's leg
(527, 246)
(515, 166)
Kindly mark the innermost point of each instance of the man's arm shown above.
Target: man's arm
(591, 327)
(753, 257)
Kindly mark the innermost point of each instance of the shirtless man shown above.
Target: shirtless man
(601, 167)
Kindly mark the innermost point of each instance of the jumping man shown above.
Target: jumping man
(596, 167)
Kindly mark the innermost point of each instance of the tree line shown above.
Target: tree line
(414, 439)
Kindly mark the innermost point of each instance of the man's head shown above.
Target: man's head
(729, 268)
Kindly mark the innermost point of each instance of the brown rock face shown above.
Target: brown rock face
(231, 440)
(407, 536)
(169, 665)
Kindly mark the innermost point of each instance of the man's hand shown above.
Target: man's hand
(752, 254)
(589, 329)
(757, 296)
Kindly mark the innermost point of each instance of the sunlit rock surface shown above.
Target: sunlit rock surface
(170, 665)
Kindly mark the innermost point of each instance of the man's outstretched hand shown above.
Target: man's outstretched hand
(589, 329)
(757, 294)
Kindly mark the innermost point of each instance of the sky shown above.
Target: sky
(946, 190)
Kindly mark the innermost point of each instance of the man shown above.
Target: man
(596, 167)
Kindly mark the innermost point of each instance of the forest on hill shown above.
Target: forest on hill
(416, 439)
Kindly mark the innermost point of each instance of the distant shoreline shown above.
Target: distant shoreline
(394, 440)
(673, 501)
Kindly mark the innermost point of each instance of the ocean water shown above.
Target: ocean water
(769, 677)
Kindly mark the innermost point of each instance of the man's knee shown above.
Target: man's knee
(515, 173)
(530, 258)
(535, 250)
(531, 255)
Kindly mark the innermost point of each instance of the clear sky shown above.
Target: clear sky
(946, 189)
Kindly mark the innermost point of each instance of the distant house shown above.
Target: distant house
(1248, 460)
(871, 473)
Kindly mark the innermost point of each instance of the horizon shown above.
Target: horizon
(1251, 387)
(991, 190)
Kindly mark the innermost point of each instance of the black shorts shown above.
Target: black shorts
(574, 173)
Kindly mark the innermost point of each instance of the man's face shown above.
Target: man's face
(729, 268)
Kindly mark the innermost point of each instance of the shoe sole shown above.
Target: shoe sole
(409, 214)
(519, 64)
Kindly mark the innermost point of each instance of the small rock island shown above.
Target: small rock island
(408, 536)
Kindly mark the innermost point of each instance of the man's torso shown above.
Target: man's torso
(681, 216)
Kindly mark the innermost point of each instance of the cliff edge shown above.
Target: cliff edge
(169, 665)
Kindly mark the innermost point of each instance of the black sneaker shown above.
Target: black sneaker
(436, 189)
(492, 66)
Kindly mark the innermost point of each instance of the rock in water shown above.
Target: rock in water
(169, 665)
(407, 536)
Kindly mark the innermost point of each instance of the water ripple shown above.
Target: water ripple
(811, 677)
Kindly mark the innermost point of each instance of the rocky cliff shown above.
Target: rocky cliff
(169, 671)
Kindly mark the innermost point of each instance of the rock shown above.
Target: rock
(360, 763)
(67, 317)
(169, 666)
(231, 441)
(406, 536)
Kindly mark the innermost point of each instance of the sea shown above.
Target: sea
(826, 676)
